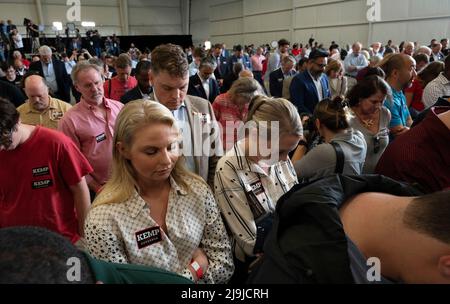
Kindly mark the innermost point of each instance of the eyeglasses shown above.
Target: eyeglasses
(6, 137)
(320, 65)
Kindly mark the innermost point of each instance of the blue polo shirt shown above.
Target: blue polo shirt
(399, 109)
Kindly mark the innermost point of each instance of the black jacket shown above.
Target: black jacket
(62, 78)
(133, 94)
(12, 93)
(307, 243)
(196, 88)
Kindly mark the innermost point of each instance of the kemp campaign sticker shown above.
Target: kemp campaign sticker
(42, 184)
(100, 137)
(41, 171)
(148, 237)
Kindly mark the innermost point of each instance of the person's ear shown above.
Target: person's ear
(317, 123)
(444, 266)
(123, 150)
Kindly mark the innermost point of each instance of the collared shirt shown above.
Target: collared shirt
(399, 109)
(114, 232)
(318, 84)
(439, 87)
(181, 116)
(231, 118)
(48, 118)
(93, 134)
(245, 193)
(205, 84)
(49, 75)
(360, 62)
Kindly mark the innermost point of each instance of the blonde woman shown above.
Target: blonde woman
(153, 211)
(336, 78)
(249, 181)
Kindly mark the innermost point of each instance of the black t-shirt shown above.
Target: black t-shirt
(35, 33)
(13, 94)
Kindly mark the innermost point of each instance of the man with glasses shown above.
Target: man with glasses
(49, 187)
(311, 86)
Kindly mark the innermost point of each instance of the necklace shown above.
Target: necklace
(368, 123)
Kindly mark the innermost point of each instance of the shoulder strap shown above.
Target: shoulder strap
(109, 88)
(340, 158)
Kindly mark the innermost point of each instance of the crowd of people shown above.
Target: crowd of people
(295, 165)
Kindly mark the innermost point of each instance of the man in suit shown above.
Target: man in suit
(238, 56)
(201, 143)
(202, 84)
(311, 86)
(54, 73)
(277, 77)
(221, 70)
(144, 88)
(436, 54)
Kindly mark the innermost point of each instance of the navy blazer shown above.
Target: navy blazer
(133, 94)
(221, 70)
(62, 78)
(304, 93)
(196, 88)
(276, 79)
(233, 59)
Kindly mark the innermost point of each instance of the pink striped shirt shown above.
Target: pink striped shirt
(93, 134)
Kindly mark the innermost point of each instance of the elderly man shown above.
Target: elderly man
(41, 108)
(144, 87)
(408, 48)
(42, 177)
(90, 123)
(355, 61)
(277, 77)
(195, 116)
(54, 73)
(203, 84)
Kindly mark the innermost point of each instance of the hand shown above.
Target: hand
(200, 257)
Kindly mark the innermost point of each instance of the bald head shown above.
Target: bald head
(37, 93)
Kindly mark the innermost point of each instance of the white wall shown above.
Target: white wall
(145, 17)
(344, 21)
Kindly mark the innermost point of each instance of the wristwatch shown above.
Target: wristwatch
(198, 269)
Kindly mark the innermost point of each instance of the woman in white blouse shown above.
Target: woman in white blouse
(152, 211)
(254, 174)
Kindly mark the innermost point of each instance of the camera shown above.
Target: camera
(26, 21)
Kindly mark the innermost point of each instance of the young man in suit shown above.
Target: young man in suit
(144, 88)
(277, 77)
(311, 86)
(54, 73)
(203, 84)
(201, 144)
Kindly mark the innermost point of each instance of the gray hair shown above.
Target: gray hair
(208, 62)
(45, 50)
(244, 87)
(84, 66)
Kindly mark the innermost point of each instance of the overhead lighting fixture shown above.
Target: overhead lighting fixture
(88, 24)
(57, 26)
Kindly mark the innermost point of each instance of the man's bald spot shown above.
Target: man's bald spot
(34, 81)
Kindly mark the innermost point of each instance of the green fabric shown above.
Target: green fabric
(113, 273)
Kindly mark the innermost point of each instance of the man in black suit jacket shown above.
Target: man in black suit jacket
(54, 73)
(277, 77)
(143, 89)
(12, 93)
(202, 84)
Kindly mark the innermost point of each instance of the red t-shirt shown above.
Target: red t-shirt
(417, 90)
(34, 183)
(118, 88)
(421, 155)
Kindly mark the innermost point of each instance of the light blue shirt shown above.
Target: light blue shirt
(399, 109)
(50, 77)
(360, 62)
(182, 118)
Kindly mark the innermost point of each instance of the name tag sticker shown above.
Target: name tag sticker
(41, 171)
(100, 137)
(42, 184)
(148, 237)
(257, 188)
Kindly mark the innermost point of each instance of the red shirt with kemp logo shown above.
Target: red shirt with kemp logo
(34, 183)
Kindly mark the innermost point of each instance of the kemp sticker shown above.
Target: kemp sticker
(257, 188)
(100, 137)
(42, 184)
(148, 237)
(41, 171)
